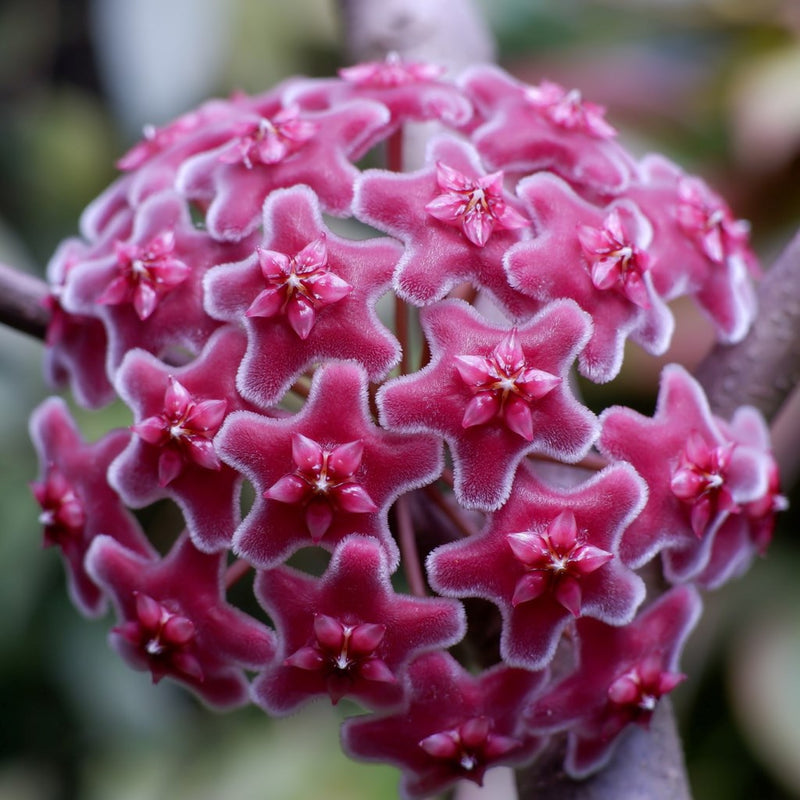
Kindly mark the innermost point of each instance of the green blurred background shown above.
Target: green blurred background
(713, 83)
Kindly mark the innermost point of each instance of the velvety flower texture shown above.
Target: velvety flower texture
(330, 359)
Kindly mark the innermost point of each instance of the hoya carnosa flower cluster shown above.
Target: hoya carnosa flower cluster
(385, 357)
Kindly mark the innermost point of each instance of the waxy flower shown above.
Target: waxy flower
(177, 413)
(174, 620)
(75, 499)
(183, 430)
(322, 474)
(547, 557)
(323, 482)
(145, 273)
(504, 385)
(298, 285)
(455, 726)
(269, 141)
(348, 633)
(696, 474)
(621, 674)
(599, 256)
(475, 205)
(458, 397)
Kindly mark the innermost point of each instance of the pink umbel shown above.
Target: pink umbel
(359, 383)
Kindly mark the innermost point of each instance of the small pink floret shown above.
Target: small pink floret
(324, 481)
(63, 515)
(476, 205)
(616, 260)
(699, 480)
(555, 560)
(344, 652)
(298, 286)
(709, 222)
(471, 747)
(390, 73)
(568, 110)
(269, 141)
(145, 274)
(164, 639)
(504, 386)
(184, 429)
(637, 691)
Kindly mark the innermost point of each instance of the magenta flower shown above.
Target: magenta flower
(304, 280)
(697, 476)
(391, 73)
(298, 286)
(504, 386)
(347, 634)
(269, 141)
(547, 557)
(621, 675)
(531, 128)
(569, 110)
(146, 272)
(174, 621)
(467, 246)
(176, 319)
(599, 257)
(183, 430)
(324, 481)
(616, 256)
(410, 90)
(177, 413)
(698, 248)
(475, 205)
(75, 499)
(454, 726)
(235, 189)
(490, 423)
(322, 474)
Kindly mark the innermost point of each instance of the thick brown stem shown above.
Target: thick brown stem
(764, 368)
(647, 765)
(22, 302)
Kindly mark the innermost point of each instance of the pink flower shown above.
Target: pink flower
(269, 141)
(454, 725)
(177, 413)
(392, 72)
(528, 128)
(600, 257)
(569, 110)
(184, 430)
(617, 261)
(546, 557)
(441, 254)
(490, 428)
(75, 499)
(324, 482)
(504, 386)
(475, 205)
(145, 273)
(332, 298)
(621, 674)
(322, 474)
(348, 633)
(174, 620)
(697, 477)
(298, 286)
